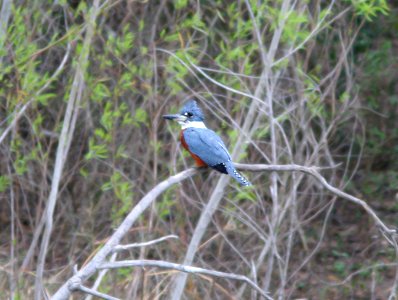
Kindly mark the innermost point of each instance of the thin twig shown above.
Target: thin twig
(100, 276)
(76, 285)
(144, 244)
(13, 278)
(96, 293)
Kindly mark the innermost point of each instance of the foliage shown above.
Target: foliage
(370, 8)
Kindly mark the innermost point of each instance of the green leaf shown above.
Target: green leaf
(96, 151)
(20, 166)
(100, 92)
(141, 116)
(121, 152)
(107, 117)
(4, 183)
(171, 37)
(369, 9)
(106, 186)
(339, 267)
(180, 4)
(44, 98)
(83, 172)
(128, 119)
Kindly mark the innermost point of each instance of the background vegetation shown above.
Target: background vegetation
(82, 89)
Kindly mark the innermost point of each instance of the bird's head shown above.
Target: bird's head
(190, 115)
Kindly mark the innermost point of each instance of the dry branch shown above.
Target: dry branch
(76, 285)
(88, 270)
(181, 268)
(99, 278)
(99, 259)
(144, 244)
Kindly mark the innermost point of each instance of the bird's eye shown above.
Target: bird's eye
(188, 114)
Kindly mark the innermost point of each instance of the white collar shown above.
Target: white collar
(193, 124)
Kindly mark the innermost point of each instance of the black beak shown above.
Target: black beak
(176, 117)
(171, 117)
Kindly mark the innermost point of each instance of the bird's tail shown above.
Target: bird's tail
(236, 175)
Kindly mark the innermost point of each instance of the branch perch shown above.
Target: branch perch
(98, 260)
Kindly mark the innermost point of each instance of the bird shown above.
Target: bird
(204, 145)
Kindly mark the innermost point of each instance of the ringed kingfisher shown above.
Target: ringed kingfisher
(204, 145)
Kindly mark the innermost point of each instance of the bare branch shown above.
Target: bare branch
(98, 260)
(181, 268)
(76, 285)
(144, 244)
(89, 269)
(100, 276)
(96, 293)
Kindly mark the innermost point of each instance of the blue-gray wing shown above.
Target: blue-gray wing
(206, 144)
